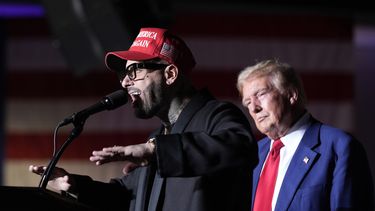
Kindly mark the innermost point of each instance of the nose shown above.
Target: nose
(126, 82)
(254, 106)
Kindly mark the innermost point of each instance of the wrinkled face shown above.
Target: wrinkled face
(269, 108)
(146, 90)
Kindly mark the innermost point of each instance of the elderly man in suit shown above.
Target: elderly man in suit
(304, 164)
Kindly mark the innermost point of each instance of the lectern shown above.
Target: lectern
(35, 198)
(40, 198)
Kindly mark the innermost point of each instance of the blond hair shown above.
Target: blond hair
(283, 77)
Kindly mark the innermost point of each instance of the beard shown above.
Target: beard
(154, 99)
(146, 112)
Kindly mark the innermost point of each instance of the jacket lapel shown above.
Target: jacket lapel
(197, 102)
(155, 192)
(143, 184)
(142, 188)
(300, 164)
(186, 115)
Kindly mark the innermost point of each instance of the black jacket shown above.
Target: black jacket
(204, 164)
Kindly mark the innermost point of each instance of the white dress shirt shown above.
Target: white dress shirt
(291, 141)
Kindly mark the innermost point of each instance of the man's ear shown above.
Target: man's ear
(293, 96)
(170, 74)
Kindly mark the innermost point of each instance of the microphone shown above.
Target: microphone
(109, 102)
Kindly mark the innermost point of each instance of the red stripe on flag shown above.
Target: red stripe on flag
(59, 85)
(332, 87)
(40, 145)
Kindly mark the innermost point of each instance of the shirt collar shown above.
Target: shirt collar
(295, 134)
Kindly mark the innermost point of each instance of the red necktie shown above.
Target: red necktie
(266, 184)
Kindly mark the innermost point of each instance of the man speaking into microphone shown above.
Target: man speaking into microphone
(199, 159)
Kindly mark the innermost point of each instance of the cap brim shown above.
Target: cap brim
(117, 60)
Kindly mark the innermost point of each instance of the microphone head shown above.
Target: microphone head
(115, 99)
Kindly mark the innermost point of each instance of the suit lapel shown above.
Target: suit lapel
(155, 192)
(143, 184)
(300, 164)
(197, 102)
(186, 115)
(142, 188)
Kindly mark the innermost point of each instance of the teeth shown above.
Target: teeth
(134, 91)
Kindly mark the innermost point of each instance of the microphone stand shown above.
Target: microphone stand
(76, 131)
(111, 101)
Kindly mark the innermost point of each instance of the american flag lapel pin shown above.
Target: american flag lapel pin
(305, 160)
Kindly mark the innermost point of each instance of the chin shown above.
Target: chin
(143, 114)
(264, 130)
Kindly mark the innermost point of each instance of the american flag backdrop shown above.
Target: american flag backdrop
(41, 89)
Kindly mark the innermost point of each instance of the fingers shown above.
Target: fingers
(138, 154)
(60, 183)
(98, 160)
(104, 153)
(107, 154)
(115, 148)
(37, 169)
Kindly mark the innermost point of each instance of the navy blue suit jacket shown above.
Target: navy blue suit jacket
(329, 171)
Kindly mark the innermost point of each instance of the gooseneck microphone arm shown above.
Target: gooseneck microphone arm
(48, 172)
(110, 102)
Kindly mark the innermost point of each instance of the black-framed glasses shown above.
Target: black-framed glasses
(131, 70)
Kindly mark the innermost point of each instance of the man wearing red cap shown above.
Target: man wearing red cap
(201, 157)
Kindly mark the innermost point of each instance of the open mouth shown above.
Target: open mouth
(134, 94)
(134, 91)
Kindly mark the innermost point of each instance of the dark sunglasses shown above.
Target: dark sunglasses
(131, 70)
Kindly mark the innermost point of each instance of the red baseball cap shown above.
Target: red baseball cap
(153, 43)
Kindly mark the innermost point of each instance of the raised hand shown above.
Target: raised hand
(133, 155)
